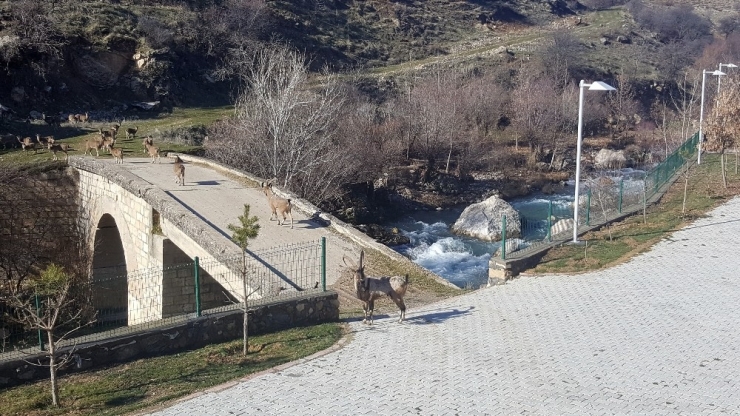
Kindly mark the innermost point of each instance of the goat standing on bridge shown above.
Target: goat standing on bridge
(179, 169)
(278, 206)
(368, 289)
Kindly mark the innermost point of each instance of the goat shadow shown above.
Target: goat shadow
(419, 317)
(438, 316)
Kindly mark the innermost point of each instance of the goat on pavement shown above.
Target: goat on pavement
(368, 289)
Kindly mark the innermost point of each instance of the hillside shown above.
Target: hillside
(67, 56)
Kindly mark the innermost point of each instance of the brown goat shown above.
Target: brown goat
(82, 118)
(117, 153)
(148, 140)
(153, 152)
(179, 169)
(27, 143)
(44, 141)
(280, 207)
(60, 147)
(131, 132)
(368, 289)
(94, 143)
(73, 118)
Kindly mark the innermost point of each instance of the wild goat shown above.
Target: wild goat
(153, 152)
(82, 118)
(368, 289)
(179, 169)
(279, 206)
(117, 153)
(27, 143)
(44, 141)
(72, 118)
(60, 147)
(131, 132)
(94, 143)
(148, 140)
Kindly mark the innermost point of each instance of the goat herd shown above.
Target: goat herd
(367, 289)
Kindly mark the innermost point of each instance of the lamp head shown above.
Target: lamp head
(728, 65)
(601, 86)
(715, 72)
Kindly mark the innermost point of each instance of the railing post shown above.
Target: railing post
(323, 264)
(38, 313)
(503, 237)
(549, 221)
(197, 287)
(621, 192)
(588, 208)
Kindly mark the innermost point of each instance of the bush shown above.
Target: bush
(188, 136)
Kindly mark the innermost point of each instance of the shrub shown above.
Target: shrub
(189, 136)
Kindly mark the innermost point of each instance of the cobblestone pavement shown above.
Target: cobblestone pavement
(657, 335)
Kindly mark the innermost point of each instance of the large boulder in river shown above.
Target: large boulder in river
(610, 159)
(483, 220)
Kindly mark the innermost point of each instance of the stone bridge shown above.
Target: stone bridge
(142, 220)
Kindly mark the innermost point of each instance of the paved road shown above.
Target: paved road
(657, 335)
(220, 200)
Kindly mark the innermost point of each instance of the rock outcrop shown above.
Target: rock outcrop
(483, 220)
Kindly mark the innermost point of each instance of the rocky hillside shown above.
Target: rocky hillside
(71, 56)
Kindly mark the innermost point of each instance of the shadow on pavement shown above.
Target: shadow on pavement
(419, 318)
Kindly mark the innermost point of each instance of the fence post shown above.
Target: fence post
(588, 208)
(549, 221)
(503, 237)
(644, 202)
(38, 313)
(323, 264)
(621, 192)
(197, 287)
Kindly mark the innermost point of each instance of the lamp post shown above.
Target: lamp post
(704, 73)
(719, 78)
(594, 86)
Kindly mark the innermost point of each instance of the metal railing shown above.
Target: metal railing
(604, 200)
(127, 302)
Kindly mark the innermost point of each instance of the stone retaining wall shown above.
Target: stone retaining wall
(309, 309)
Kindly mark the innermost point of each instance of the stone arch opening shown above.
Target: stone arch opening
(109, 274)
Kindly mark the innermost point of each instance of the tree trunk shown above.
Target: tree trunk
(685, 190)
(53, 369)
(722, 164)
(449, 155)
(245, 321)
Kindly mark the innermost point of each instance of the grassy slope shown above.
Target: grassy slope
(144, 383)
(76, 135)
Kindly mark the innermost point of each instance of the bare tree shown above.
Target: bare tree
(245, 231)
(685, 100)
(283, 127)
(623, 107)
(722, 127)
(56, 303)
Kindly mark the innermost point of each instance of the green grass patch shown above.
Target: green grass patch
(180, 131)
(148, 382)
(638, 233)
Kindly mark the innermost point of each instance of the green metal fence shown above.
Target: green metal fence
(603, 201)
(127, 302)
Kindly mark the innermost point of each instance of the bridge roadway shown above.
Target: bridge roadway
(657, 335)
(219, 200)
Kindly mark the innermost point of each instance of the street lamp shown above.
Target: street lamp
(719, 79)
(704, 73)
(594, 86)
